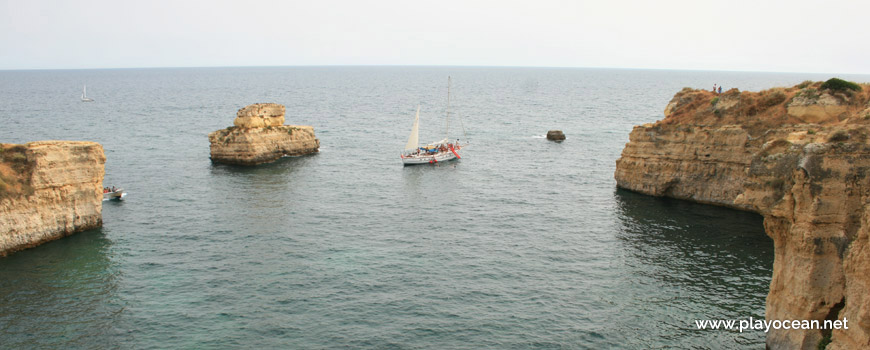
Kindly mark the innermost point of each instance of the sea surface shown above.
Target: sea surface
(524, 243)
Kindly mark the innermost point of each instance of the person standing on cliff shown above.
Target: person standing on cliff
(720, 89)
(714, 88)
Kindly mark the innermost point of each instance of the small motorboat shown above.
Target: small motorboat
(117, 194)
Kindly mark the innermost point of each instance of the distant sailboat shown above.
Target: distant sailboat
(85, 95)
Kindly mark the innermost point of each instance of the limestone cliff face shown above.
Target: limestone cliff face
(259, 137)
(260, 115)
(811, 182)
(48, 190)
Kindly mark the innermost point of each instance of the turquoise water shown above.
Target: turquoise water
(523, 243)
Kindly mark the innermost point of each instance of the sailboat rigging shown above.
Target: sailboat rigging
(435, 152)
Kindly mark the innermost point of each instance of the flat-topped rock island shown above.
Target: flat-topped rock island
(258, 135)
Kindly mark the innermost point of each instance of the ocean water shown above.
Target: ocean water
(523, 243)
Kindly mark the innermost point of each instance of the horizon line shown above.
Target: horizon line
(427, 65)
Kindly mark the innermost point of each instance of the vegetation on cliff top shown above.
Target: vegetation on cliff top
(15, 171)
(831, 102)
(836, 84)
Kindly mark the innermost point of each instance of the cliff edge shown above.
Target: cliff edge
(800, 157)
(48, 190)
(259, 136)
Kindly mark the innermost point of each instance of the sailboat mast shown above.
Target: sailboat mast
(447, 131)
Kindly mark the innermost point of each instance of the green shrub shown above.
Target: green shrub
(836, 84)
(839, 136)
(810, 93)
(714, 101)
(811, 132)
(823, 343)
(18, 158)
(774, 98)
(805, 84)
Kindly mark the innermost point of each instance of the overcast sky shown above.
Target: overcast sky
(757, 35)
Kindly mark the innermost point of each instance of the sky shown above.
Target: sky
(759, 35)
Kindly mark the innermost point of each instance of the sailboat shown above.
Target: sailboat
(434, 152)
(85, 95)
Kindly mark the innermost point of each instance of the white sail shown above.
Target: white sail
(413, 139)
(85, 95)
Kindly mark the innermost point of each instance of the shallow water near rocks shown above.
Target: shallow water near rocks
(523, 243)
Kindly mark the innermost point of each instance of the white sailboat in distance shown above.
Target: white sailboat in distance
(435, 152)
(85, 95)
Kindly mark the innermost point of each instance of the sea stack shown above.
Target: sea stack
(48, 190)
(555, 135)
(258, 135)
(797, 156)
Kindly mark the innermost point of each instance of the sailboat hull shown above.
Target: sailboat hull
(117, 195)
(427, 159)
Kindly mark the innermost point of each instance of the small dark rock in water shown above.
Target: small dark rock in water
(555, 135)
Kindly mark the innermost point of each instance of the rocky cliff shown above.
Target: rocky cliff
(48, 190)
(259, 136)
(800, 157)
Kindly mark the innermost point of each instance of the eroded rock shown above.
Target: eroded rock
(260, 115)
(821, 109)
(48, 190)
(259, 137)
(555, 135)
(811, 183)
